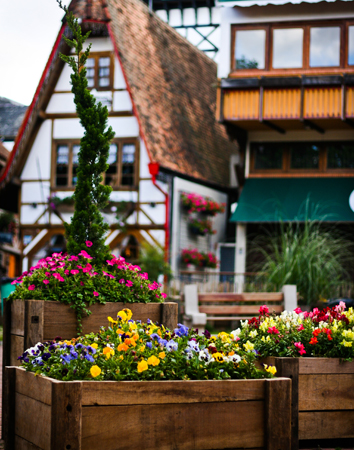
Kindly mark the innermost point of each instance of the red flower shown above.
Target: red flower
(313, 341)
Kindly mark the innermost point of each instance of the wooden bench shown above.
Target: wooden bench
(219, 306)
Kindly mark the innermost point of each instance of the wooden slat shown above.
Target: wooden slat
(179, 427)
(32, 421)
(169, 315)
(22, 444)
(8, 407)
(326, 425)
(60, 319)
(36, 387)
(326, 392)
(66, 415)
(235, 309)
(245, 297)
(324, 365)
(17, 348)
(278, 413)
(34, 326)
(156, 392)
(18, 317)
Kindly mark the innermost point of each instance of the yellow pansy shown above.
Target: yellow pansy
(225, 337)
(95, 371)
(108, 352)
(218, 357)
(94, 346)
(142, 365)
(270, 369)
(120, 331)
(142, 348)
(153, 361)
(133, 326)
(111, 320)
(122, 316)
(162, 355)
(248, 346)
(128, 313)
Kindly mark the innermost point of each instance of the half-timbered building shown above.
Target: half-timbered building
(161, 95)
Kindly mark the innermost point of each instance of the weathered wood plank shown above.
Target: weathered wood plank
(34, 310)
(235, 309)
(18, 317)
(22, 444)
(245, 297)
(326, 392)
(278, 413)
(9, 407)
(169, 315)
(326, 425)
(36, 387)
(32, 421)
(66, 416)
(6, 349)
(170, 392)
(324, 365)
(178, 427)
(60, 319)
(17, 348)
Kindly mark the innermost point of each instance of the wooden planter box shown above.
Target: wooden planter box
(27, 322)
(322, 397)
(43, 413)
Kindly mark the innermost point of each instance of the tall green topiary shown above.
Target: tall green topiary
(90, 194)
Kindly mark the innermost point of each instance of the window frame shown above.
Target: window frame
(343, 57)
(116, 187)
(286, 161)
(96, 56)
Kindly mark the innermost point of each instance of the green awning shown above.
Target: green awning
(296, 199)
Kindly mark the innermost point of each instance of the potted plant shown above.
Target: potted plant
(193, 202)
(135, 381)
(192, 258)
(316, 349)
(200, 227)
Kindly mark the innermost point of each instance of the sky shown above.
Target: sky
(28, 29)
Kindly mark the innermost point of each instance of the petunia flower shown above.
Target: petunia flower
(31, 287)
(88, 244)
(96, 294)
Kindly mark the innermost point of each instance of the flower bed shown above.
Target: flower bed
(79, 400)
(315, 350)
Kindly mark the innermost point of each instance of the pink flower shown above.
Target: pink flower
(82, 283)
(85, 254)
(47, 274)
(61, 279)
(14, 282)
(66, 272)
(46, 281)
(297, 310)
(300, 347)
(74, 271)
(129, 283)
(73, 258)
(96, 294)
(110, 263)
(86, 270)
(144, 275)
(122, 280)
(31, 287)
(163, 295)
(273, 330)
(88, 244)
(341, 307)
(263, 310)
(300, 328)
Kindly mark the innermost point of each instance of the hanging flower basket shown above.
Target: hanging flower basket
(200, 227)
(193, 202)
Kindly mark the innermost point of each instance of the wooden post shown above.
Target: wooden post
(34, 312)
(6, 349)
(169, 315)
(278, 414)
(8, 407)
(66, 423)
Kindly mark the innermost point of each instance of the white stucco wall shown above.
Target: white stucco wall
(40, 155)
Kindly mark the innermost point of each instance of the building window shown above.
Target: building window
(324, 46)
(99, 67)
(295, 158)
(250, 49)
(287, 48)
(296, 46)
(122, 159)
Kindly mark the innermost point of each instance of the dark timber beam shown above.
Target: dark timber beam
(273, 126)
(313, 126)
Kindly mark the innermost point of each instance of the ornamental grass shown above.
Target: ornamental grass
(325, 333)
(131, 350)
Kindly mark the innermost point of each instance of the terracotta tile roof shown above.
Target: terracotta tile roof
(90, 9)
(173, 87)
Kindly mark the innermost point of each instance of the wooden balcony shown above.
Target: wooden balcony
(319, 103)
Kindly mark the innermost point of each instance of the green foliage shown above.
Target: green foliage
(308, 255)
(152, 261)
(7, 222)
(90, 194)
